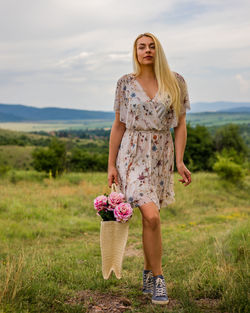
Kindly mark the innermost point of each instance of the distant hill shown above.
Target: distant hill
(6, 117)
(226, 106)
(22, 113)
(238, 110)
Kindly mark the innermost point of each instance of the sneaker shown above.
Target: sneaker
(160, 291)
(147, 282)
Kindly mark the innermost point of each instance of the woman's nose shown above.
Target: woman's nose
(148, 49)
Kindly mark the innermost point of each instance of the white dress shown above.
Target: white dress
(145, 159)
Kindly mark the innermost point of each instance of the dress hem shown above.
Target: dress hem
(164, 203)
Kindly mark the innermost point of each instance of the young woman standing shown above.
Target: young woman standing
(148, 103)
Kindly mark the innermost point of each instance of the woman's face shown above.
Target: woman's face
(145, 49)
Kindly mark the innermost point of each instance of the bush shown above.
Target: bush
(4, 169)
(51, 159)
(238, 157)
(228, 137)
(83, 161)
(200, 151)
(229, 170)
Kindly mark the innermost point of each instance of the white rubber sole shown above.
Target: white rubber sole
(160, 302)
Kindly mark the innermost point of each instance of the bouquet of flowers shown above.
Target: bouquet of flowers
(113, 207)
(115, 213)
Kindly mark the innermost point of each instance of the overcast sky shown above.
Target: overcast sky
(70, 53)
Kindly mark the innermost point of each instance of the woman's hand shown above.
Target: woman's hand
(185, 173)
(112, 175)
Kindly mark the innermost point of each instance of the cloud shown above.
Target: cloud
(70, 53)
(73, 60)
(243, 83)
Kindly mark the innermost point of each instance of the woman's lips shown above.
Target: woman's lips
(148, 57)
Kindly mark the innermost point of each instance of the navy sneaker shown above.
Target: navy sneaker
(160, 291)
(147, 282)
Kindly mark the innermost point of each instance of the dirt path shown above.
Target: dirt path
(96, 302)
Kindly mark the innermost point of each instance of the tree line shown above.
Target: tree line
(225, 152)
(222, 150)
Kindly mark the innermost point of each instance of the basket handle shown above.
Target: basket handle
(115, 188)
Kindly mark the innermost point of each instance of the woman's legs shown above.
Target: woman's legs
(151, 237)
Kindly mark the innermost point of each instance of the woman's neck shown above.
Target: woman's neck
(147, 73)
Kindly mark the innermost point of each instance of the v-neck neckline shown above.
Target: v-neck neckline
(140, 86)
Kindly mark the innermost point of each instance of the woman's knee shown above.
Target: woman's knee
(150, 215)
(152, 221)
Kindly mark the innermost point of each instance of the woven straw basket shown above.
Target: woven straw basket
(113, 240)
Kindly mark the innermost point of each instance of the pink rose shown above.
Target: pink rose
(123, 212)
(100, 203)
(115, 198)
(110, 208)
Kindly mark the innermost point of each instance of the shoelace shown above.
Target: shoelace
(160, 287)
(149, 281)
(148, 277)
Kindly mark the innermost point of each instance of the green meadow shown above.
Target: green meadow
(209, 119)
(50, 259)
(56, 125)
(17, 157)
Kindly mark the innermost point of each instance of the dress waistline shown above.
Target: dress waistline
(148, 130)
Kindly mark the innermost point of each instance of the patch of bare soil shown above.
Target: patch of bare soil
(96, 302)
(208, 305)
(132, 251)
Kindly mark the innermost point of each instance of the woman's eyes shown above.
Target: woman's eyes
(150, 47)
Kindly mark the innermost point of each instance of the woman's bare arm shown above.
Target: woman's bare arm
(116, 135)
(180, 134)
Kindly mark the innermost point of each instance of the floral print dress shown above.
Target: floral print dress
(145, 159)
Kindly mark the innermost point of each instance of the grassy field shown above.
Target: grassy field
(16, 156)
(218, 119)
(50, 257)
(20, 156)
(203, 118)
(50, 126)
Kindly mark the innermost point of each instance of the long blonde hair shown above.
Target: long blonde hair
(166, 79)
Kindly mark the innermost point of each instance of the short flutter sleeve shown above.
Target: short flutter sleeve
(120, 103)
(185, 102)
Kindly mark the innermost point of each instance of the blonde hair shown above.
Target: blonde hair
(167, 82)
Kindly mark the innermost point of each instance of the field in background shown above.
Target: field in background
(50, 255)
(59, 125)
(218, 119)
(17, 157)
(206, 118)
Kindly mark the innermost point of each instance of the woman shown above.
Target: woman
(148, 103)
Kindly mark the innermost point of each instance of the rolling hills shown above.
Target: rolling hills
(23, 113)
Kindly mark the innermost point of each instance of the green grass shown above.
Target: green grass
(49, 245)
(218, 118)
(56, 125)
(16, 156)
